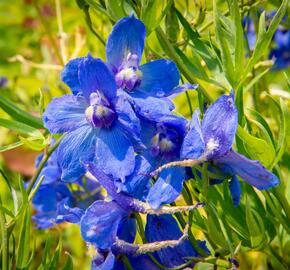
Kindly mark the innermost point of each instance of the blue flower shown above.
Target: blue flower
(212, 140)
(163, 139)
(145, 86)
(100, 124)
(54, 202)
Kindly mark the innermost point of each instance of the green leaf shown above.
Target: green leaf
(257, 148)
(68, 263)
(172, 25)
(10, 146)
(20, 115)
(34, 143)
(152, 12)
(264, 37)
(224, 30)
(24, 241)
(19, 127)
(255, 226)
(115, 9)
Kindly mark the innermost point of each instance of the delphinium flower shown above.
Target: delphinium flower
(211, 141)
(149, 84)
(54, 202)
(145, 86)
(106, 224)
(100, 125)
(163, 139)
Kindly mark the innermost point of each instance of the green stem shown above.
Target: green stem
(42, 163)
(126, 262)
(4, 237)
(280, 195)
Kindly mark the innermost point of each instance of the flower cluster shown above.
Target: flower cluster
(121, 135)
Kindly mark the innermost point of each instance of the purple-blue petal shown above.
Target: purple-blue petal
(167, 187)
(95, 76)
(104, 262)
(64, 114)
(69, 75)
(127, 36)
(115, 152)
(159, 78)
(165, 227)
(252, 171)
(100, 223)
(137, 184)
(193, 144)
(235, 189)
(219, 126)
(76, 146)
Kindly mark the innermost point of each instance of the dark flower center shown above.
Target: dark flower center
(129, 76)
(166, 142)
(99, 113)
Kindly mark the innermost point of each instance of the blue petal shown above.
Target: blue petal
(167, 187)
(45, 199)
(76, 146)
(137, 184)
(69, 75)
(95, 76)
(127, 230)
(126, 115)
(235, 189)
(150, 107)
(193, 144)
(115, 153)
(127, 36)
(51, 174)
(159, 78)
(219, 125)
(44, 220)
(165, 227)
(66, 113)
(106, 263)
(67, 213)
(99, 224)
(142, 262)
(252, 171)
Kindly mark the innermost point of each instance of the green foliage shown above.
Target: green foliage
(207, 42)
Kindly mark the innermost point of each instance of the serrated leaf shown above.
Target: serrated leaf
(20, 115)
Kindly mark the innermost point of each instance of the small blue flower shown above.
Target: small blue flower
(212, 140)
(100, 125)
(54, 202)
(163, 139)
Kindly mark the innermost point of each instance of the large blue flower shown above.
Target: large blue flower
(145, 86)
(100, 125)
